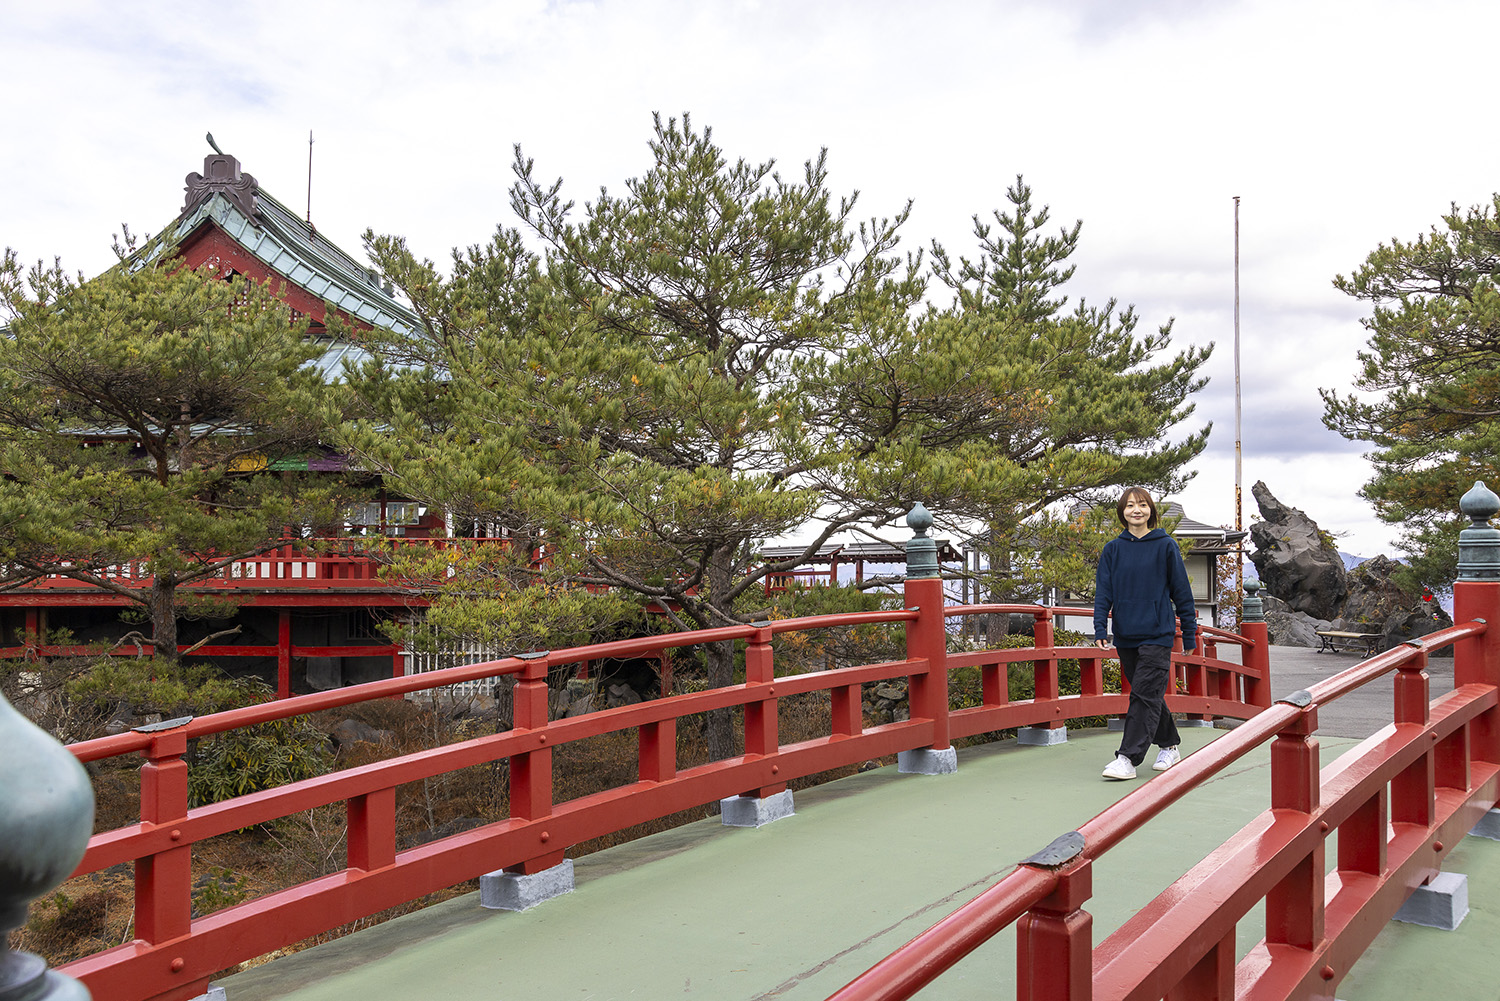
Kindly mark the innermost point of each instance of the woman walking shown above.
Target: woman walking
(1142, 580)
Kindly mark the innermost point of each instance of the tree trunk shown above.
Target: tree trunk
(720, 659)
(163, 608)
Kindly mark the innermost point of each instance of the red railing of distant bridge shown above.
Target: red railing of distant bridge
(173, 954)
(318, 564)
(1395, 805)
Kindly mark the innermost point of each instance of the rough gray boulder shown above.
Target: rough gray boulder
(353, 731)
(1294, 629)
(1373, 596)
(1295, 561)
(1406, 624)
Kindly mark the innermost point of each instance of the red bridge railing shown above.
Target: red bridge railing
(173, 954)
(1394, 807)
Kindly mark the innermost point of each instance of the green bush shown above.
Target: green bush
(259, 757)
(149, 685)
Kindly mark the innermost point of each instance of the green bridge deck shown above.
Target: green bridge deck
(799, 907)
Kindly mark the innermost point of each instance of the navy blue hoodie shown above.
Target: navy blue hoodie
(1141, 581)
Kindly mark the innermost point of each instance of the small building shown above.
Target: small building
(309, 618)
(846, 563)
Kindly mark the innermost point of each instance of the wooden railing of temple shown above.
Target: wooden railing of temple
(1394, 807)
(173, 953)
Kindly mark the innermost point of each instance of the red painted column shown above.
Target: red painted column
(531, 771)
(1044, 670)
(284, 654)
(1054, 942)
(33, 637)
(1476, 596)
(1294, 907)
(1257, 657)
(164, 881)
(927, 639)
(761, 737)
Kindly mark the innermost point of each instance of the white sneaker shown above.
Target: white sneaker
(1120, 768)
(1168, 757)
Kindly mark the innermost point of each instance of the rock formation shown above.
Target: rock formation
(1308, 588)
(1296, 562)
(1373, 596)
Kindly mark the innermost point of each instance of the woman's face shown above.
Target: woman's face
(1137, 511)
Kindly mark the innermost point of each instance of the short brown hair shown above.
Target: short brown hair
(1133, 492)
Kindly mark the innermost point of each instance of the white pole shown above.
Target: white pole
(1239, 525)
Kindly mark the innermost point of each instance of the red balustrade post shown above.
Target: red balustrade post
(927, 640)
(531, 771)
(1413, 792)
(1362, 837)
(1411, 704)
(848, 711)
(1256, 655)
(1451, 760)
(164, 881)
(372, 830)
(1476, 596)
(761, 736)
(658, 751)
(1211, 978)
(1044, 669)
(1294, 907)
(994, 682)
(1054, 942)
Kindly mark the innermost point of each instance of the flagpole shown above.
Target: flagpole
(1239, 525)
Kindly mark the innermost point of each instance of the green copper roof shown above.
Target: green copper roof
(293, 248)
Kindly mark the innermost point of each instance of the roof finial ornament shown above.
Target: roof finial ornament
(221, 175)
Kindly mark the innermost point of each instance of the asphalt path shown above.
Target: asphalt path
(1361, 712)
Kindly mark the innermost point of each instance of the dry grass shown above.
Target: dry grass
(95, 912)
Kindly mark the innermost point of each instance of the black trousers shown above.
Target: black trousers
(1149, 670)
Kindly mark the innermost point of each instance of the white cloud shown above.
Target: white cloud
(1340, 124)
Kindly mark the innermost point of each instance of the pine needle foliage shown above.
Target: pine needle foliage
(137, 410)
(1428, 389)
(724, 353)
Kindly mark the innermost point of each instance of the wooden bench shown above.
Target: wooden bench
(1339, 640)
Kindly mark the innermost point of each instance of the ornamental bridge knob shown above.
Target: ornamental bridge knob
(46, 817)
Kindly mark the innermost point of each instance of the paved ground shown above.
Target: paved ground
(796, 909)
(1356, 715)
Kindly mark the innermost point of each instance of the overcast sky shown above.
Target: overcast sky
(1340, 125)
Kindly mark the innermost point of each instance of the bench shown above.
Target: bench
(1339, 640)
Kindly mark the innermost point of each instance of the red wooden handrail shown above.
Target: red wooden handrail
(1398, 802)
(173, 954)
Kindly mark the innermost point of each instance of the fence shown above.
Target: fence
(1394, 807)
(173, 953)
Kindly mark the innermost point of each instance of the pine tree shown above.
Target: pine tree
(137, 410)
(1056, 408)
(722, 356)
(1430, 382)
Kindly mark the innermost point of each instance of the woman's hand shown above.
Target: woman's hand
(1102, 644)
